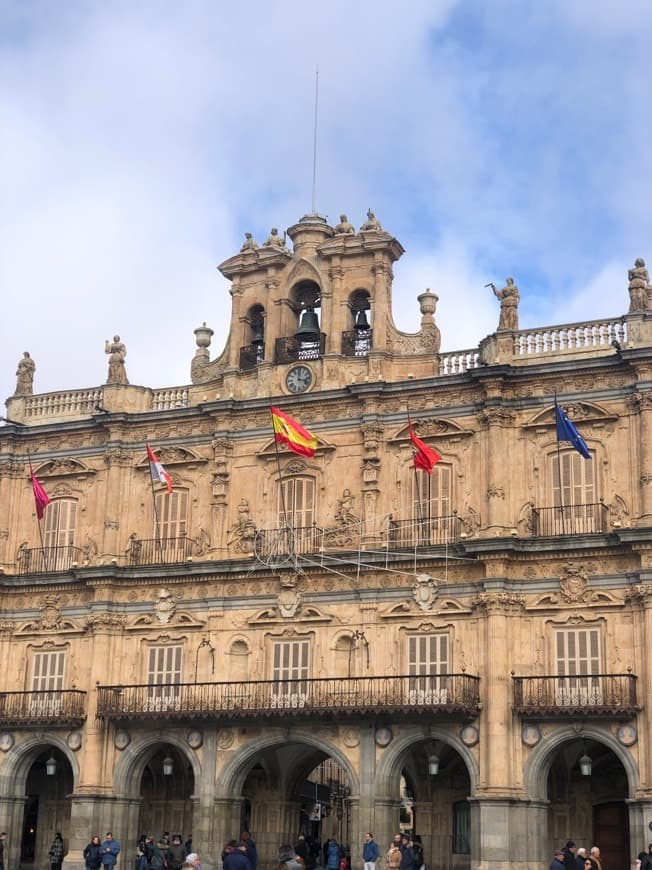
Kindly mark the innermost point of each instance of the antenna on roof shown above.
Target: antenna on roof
(314, 145)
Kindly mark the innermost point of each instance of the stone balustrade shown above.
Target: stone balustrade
(170, 397)
(570, 337)
(457, 362)
(68, 403)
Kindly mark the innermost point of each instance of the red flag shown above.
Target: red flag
(425, 457)
(41, 498)
(289, 431)
(157, 471)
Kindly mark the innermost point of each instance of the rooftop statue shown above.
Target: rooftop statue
(117, 353)
(639, 283)
(509, 299)
(249, 244)
(25, 376)
(372, 224)
(274, 240)
(344, 228)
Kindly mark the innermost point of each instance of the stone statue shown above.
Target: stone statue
(117, 353)
(274, 240)
(345, 514)
(25, 376)
(372, 224)
(509, 299)
(249, 244)
(344, 228)
(639, 283)
(241, 536)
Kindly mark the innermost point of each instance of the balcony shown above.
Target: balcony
(357, 342)
(552, 697)
(456, 695)
(251, 356)
(430, 532)
(40, 560)
(61, 707)
(159, 551)
(292, 349)
(576, 519)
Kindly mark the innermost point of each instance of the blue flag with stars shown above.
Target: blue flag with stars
(566, 431)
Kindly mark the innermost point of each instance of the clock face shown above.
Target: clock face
(298, 379)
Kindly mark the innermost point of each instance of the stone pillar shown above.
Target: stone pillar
(644, 402)
(115, 538)
(498, 422)
(508, 834)
(12, 811)
(387, 816)
(331, 308)
(226, 826)
(640, 819)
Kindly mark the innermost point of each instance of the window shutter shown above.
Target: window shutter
(427, 666)
(60, 523)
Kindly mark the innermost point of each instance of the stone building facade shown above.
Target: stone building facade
(474, 640)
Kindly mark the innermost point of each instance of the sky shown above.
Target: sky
(140, 140)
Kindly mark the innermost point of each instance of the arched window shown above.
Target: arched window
(253, 353)
(576, 508)
(431, 506)
(357, 340)
(308, 337)
(60, 523)
(172, 514)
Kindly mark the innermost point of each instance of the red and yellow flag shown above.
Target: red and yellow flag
(425, 457)
(288, 431)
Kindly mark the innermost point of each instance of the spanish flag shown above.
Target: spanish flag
(288, 431)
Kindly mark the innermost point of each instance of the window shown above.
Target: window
(60, 523)
(461, 828)
(578, 494)
(290, 672)
(164, 674)
(427, 663)
(431, 505)
(47, 679)
(577, 653)
(172, 514)
(296, 507)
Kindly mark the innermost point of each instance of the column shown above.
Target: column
(12, 810)
(508, 834)
(644, 402)
(496, 445)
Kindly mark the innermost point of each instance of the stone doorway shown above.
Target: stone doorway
(167, 784)
(48, 788)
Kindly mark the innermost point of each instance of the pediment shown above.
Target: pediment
(441, 607)
(269, 450)
(180, 619)
(37, 626)
(578, 412)
(63, 467)
(302, 270)
(307, 614)
(173, 456)
(437, 427)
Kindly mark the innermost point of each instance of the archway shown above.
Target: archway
(166, 788)
(48, 786)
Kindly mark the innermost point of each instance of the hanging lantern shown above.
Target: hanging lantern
(585, 765)
(433, 765)
(51, 765)
(168, 766)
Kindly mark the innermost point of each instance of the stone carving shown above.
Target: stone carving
(25, 376)
(574, 584)
(509, 299)
(164, 606)
(106, 620)
(117, 456)
(289, 601)
(11, 468)
(89, 551)
(134, 549)
(344, 228)
(371, 470)
(471, 521)
(372, 224)
(241, 536)
(345, 515)
(274, 240)
(495, 491)
(117, 353)
(249, 244)
(490, 601)
(618, 513)
(425, 591)
(50, 613)
(372, 434)
(639, 285)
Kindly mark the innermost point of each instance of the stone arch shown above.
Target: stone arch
(232, 776)
(537, 767)
(131, 762)
(20, 758)
(393, 759)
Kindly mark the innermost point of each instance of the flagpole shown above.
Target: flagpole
(417, 490)
(38, 520)
(286, 525)
(561, 487)
(156, 518)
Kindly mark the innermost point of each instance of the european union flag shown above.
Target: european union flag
(566, 431)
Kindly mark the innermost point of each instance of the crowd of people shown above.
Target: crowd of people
(572, 857)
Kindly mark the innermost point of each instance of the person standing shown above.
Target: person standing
(3, 837)
(176, 853)
(109, 850)
(644, 857)
(251, 850)
(92, 853)
(237, 859)
(557, 862)
(394, 855)
(407, 854)
(57, 852)
(333, 853)
(369, 852)
(569, 855)
(595, 858)
(301, 849)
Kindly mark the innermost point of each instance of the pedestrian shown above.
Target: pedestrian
(287, 859)
(193, 859)
(57, 852)
(159, 861)
(407, 853)
(595, 858)
(176, 853)
(333, 852)
(369, 852)
(92, 853)
(394, 856)
(3, 837)
(569, 855)
(644, 857)
(237, 859)
(252, 851)
(301, 849)
(110, 849)
(417, 848)
(188, 845)
(557, 862)
(581, 857)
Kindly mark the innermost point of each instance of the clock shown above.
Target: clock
(298, 379)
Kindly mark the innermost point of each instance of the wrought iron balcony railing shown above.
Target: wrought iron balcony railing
(251, 356)
(159, 551)
(357, 342)
(576, 519)
(433, 531)
(39, 560)
(587, 695)
(291, 349)
(65, 707)
(446, 694)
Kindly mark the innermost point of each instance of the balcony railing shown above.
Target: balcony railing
(587, 695)
(159, 551)
(251, 356)
(40, 560)
(65, 707)
(577, 519)
(291, 349)
(357, 342)
(430, 532)
(449, 694)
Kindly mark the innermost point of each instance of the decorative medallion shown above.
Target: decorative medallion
(425, 591)
(74, 740)
(469, 735)
(50, 612)
(6, 741)
(627, 734)
(350, 737)
(289, 601)
(195, 739)
(573, 584)
(530, 735)
(383, 736)
(121, 740)
(225, 739)
(164, 606)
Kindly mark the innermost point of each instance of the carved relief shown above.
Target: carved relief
(164, 606)
(574, 584)
(490, 601)
(425, 591)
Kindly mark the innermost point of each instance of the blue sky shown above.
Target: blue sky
(141, 139)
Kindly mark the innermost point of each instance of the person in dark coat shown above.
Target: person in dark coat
(251, 851)
(57, 852)
(176, 853)
(301, 849)
(407, 854)
(557, 862)
(3, 837)
(92, 853)
(237, 859)
(569, 851)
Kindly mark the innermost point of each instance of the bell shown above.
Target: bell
(309, 327)
(361, 322)
(258, 336)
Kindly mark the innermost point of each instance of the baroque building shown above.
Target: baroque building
(335, 644)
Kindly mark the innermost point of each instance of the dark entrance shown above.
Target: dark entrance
(611, 833)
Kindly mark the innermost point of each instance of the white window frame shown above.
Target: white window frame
(48, 676)
(290, 672)
(578, 659)
(429, 664)
(164, 673)
(60, 522)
